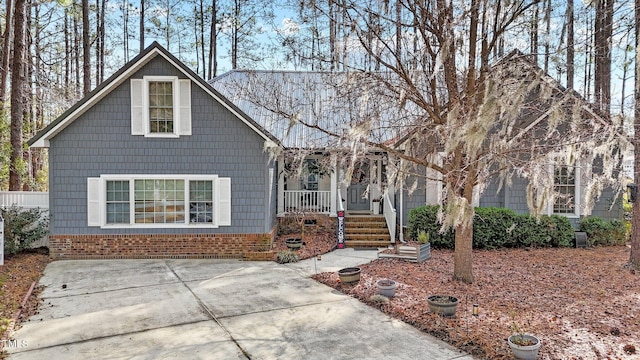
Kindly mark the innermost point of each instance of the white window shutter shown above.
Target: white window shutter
(184, 104)
(137, 107)
(223, 194)
(93, 202)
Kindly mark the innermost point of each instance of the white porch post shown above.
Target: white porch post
(280, 184)
(334, 189)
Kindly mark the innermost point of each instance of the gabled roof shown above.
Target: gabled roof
(41, 139)
(331, 101)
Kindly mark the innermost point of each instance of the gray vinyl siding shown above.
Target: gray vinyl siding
(414, 199)
(491, 197)
(513, 197)
(608, 207)
(100, 142)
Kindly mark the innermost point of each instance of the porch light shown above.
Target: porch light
(476, 310)
(632, 192)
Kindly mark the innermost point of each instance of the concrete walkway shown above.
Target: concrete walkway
(212, 309)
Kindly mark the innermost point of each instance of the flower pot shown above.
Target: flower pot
(386, 287)
(349, 275)
(444, 305)
(524, 352)
(294, 243)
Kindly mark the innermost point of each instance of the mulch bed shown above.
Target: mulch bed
(582, 304)
(313, 244)
(16, 276)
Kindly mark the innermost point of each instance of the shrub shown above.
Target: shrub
(425, 218)
(493, 227)
(23, 227)
(563, 233)
(287, 256)
(603, 232)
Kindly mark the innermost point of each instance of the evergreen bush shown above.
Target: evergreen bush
(603, 232)
(495, 228)
(22, 227)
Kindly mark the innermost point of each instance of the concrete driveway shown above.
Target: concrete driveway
(212, 309)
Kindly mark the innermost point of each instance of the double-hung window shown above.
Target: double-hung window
(161, 112)
(159, 201)
(564, 184)
(160, 106)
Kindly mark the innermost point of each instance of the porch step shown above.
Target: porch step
(366, 231)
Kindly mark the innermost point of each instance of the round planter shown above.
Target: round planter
(294, 243)
(524, 352)
(444, 305)
(349, 275)
(386, 287)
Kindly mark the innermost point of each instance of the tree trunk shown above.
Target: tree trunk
(235, 35)
(534, 34)
(213, 43)
(603, 30)
(17, 97)
(634, 258)
(204, 69)
(76, 49)
(570, 46)
(86, 54)
(141, 25)
(463, 253)
(547, 19)
(6, 51)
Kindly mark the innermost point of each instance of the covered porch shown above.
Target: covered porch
(325, 189)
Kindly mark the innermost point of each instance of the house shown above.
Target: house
(156, 162)
(281, 100)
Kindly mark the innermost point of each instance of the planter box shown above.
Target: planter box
(411, 253)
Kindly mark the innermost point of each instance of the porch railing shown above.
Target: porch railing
(390, 217)
(307, 201)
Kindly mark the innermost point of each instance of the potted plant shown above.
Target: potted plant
(444, 305)
(424, 246)
(349, 275)
(523, 346)
(294, 243)
(386, 287)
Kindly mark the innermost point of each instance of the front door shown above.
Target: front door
(358, 187)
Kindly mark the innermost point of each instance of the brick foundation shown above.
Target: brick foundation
(160, 246)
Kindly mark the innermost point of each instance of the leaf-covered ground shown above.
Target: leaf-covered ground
(314, 244)
(582, 304)
(16, 276)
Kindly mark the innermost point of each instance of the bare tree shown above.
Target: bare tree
(463, 117)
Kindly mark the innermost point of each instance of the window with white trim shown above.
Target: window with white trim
(564, 184)
(566, 189)
(160, 106)
(159, 201)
